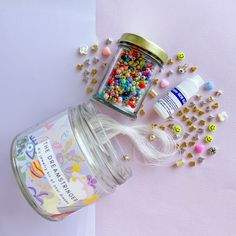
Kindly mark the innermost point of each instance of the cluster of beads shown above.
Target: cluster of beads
(129, 78)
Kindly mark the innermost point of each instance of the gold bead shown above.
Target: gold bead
(142, 112)
(180, 162)
(80, 67)
(179, 113)
(184, 144)
(154, 125)
(85, 79)
(171, 125)
(170, 61)
(162, 127)
(195, 109)
(200, 113)
(89, 90)
(202, 122)
(94, 81)
(94, 47)
(192, 163)
(93, 71)
(192, 128)
(189, 122)
(155, 81)
(185, 118)
(193, 68)
(215, 106)
(186, 109)
(191, 143)
(189, 155)
(210, 99)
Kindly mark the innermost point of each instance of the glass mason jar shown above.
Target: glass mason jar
(61, 165)
(129, 76)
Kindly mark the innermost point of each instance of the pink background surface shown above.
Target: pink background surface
(183, 202)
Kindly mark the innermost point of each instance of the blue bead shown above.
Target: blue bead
(139, 92)
(208, 85)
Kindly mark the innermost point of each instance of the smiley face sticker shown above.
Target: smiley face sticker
(208, 139)
(180, 56)
(212, 127)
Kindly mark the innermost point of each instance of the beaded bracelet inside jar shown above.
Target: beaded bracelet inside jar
(129, 76)
(61, 165)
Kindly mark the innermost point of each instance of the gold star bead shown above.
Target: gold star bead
(142, 112)
(192, 163)
(195, 109)
(202, 122)
(191, 143)
(154, 125)
(155, 81)
(192, 128)
(215, 106)
(200, 113)
(80, 67)
(179, 113)
(186, 109)
(184, 144)
(94, 81)
(93, 71)
(189, 122)
(162, 127)
(185, 118)
(170, 61)
(89, 90)
(171, 125)
(94, 47)
(85, 79)
(189, 155)
(210, 99)
(193, 68)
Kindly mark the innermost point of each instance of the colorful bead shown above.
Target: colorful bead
(222, 116)
(83, 50)
(208, 139)
(180, 56)
(183, 68)
(189, 155)
(211, 151)
(164, 83)
(152, 93)
(192, 163)
(211, 127)
(106, 52)
(199, 148)
(170, 62)
(80, 67)
(193, 68)
(208, 85)
(180, 162)
(93, 71)
(192, 128)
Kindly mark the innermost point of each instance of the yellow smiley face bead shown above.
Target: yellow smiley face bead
(177, 129)
(212, 127)
(180, 56)
(208, 139)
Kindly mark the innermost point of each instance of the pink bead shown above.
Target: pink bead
(164, 83)
(106, 52)
(199, 148)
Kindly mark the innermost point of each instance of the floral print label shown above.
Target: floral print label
(53, 169)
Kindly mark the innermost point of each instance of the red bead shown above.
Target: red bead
(142, 86)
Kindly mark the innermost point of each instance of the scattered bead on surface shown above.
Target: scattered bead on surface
(200, 130)
(192, 163)
(95, 47)
(211, 127)
(180, 162)
(152, 93)
(210, 118)
(108, 41)
(126, 157)
(152, 137)
(191, 143)
(215, 106)
(201, 159)
(83, 50)
(189, 155)
(208, 139)
(193, 68)
(170, 61)
(94, 81)
(80, 67)
(222, 116)
(89, 90)
(218, 93)
(199, 148)
(106, 52)
(180, 56)
(182, 68)
(164, 83)
(211, 151)
(208, 85)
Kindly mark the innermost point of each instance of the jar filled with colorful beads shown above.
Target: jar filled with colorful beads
(61, 165)
(130, 74)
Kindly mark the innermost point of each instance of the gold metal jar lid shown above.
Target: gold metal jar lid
(145, 44)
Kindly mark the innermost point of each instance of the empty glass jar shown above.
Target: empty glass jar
(129, 76)
(61, 165)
